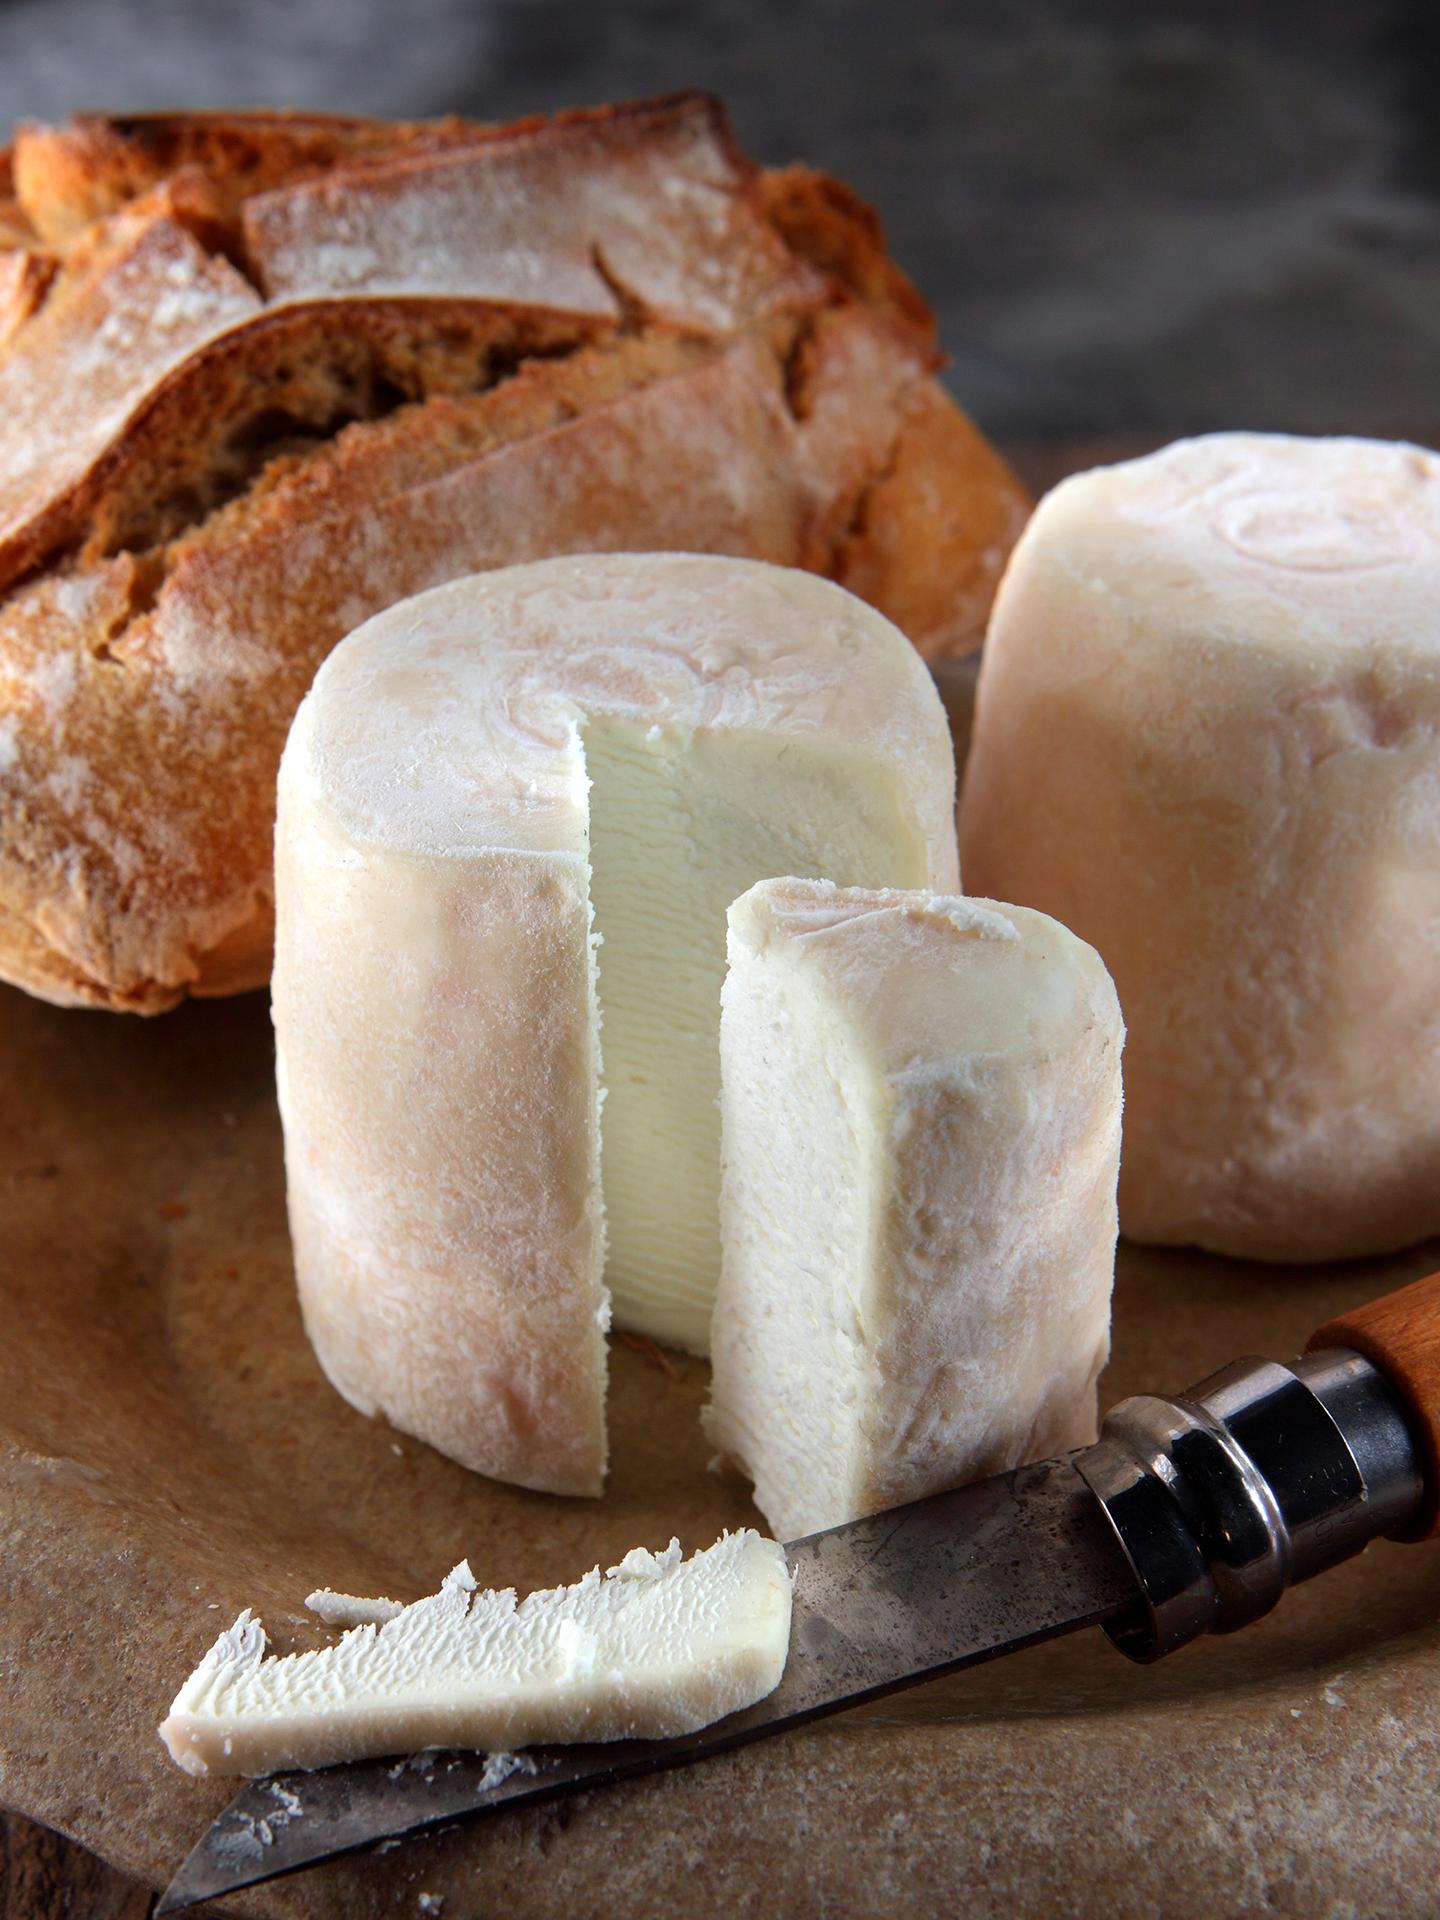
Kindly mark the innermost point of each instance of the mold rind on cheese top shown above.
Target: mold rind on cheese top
(451, 724)
(1267, 544)
(510, 810)
(656, 1646)
(1207, 737)
(921, 1133)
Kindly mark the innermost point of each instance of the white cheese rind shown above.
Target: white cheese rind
(1208, 739)
(921, 1129)
(437, 1005)
(654, 1647)
(444, 1215)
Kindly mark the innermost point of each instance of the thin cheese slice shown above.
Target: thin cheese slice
(654, 1647)
(921, 1134)
(490, 789)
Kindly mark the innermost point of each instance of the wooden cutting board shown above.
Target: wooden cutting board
(169, 1453)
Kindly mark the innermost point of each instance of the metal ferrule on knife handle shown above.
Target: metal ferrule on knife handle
(1264, 1475)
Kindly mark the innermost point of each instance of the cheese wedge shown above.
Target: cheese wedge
(1208, 739)
(489, 788)
(921, 1134)
(657, 1646)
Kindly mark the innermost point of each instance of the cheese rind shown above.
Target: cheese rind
(482, 782)
(654, 1647)
(1206, 738)
(921, 1133)
(444, 1208)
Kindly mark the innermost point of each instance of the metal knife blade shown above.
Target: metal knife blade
(880, 1603)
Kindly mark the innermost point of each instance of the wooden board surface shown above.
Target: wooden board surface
(169, 1453)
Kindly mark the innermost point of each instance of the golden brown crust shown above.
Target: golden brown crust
(16, 232)
(70, 176)
(73, 175)
(24, 280)
(25, 268)
(15, 228)
(931, 537)
(827, 223)
(713, 360)
(635, 216)
(132, 304)
(289, 377)
(29, 960)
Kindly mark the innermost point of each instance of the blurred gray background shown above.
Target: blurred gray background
(1133, 219)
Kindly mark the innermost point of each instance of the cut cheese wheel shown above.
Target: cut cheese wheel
(655, 1647)
(1208, 738)
(921, 1134)
(485, 784)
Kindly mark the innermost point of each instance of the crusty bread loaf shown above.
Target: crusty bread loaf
(261, 376)
(25, 271)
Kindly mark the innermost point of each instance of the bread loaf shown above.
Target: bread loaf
(261, 376)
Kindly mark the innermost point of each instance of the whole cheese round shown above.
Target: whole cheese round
(512, 814)
(1208, 739)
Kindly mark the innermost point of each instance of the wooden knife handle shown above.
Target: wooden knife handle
(1400, 1335)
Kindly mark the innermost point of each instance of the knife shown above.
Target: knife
(1188, 1516)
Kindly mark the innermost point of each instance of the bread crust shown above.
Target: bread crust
(73, 175)
(713, 359)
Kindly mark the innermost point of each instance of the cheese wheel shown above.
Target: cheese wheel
(488, 788)
(921, 1100)
(1208, 738)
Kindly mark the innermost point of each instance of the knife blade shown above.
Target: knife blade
(878, 1604)
(1189, 1515)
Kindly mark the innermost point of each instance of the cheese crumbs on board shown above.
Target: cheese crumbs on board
(655, 1646)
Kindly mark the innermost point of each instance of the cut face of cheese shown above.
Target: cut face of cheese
(509, 810)
(921, 1136)
(1208, 738)
(678, 828)
(655, 1647)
